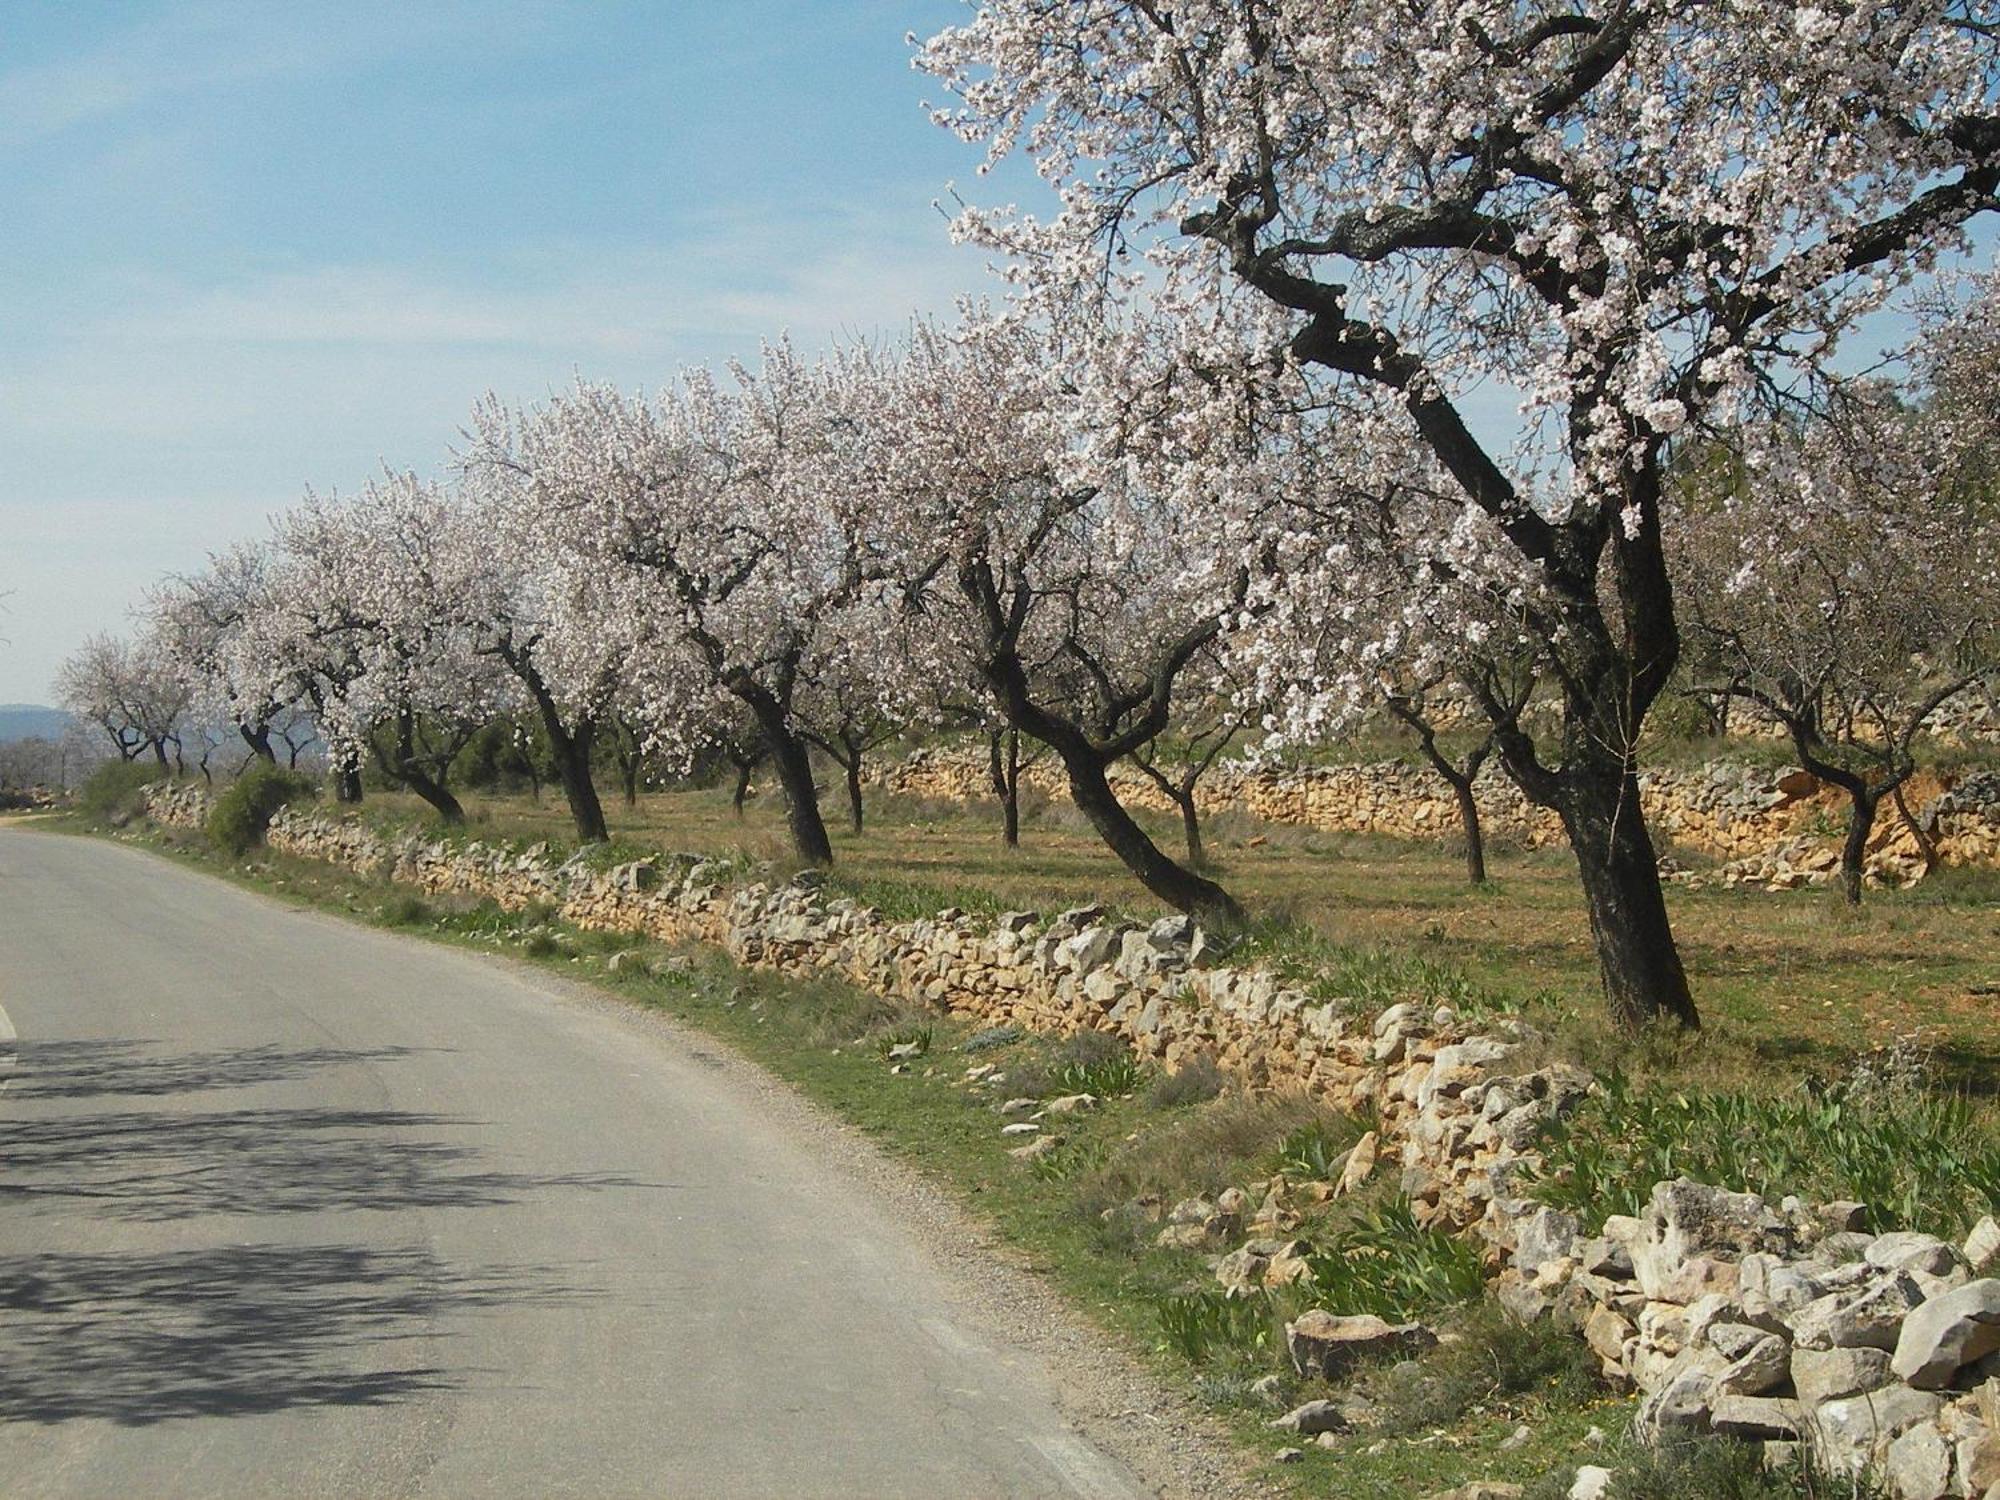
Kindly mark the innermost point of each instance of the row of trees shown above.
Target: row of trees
(1209, 464)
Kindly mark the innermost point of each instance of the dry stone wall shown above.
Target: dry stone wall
(1776, 828)
(1726, 1313)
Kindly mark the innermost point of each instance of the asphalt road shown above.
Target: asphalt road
(293, 1207)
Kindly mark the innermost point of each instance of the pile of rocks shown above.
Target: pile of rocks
(1787, 1325)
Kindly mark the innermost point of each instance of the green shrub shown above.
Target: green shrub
(1195, 1082)
(1918, 1157)
(238, 818)
(1490, 1359)
(1202, 1149)
(407, 910)
(541, 943)
(1090, 1062)
(1385, 1263)
(991, 1037)
(116, 791)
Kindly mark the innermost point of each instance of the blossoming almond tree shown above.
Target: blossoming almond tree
(1850, 585)
(1640, 213)
(1092, 563)
(373, 595)
(197, 618)
(730, 513)
(554, 622)
(129, 689)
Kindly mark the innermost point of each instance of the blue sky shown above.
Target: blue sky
(249, 246)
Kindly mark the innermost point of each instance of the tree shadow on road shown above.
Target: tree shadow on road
(143, 1338)
(166, 1165)
(89, 1069)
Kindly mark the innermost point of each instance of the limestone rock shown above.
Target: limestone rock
(1828, 1374)
(1948, 1333)
(1685, 1219)
(1327, 1344)
(1313, 1418)
(1982, 1246)
(1869, 1319)
(1758, 1417)
(1919, 1465)
(1855, 1432)
(1544, 1235)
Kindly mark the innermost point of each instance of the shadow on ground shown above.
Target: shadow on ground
(143, 1338)
(90, 1069)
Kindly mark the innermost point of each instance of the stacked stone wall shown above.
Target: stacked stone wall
(1776, 827)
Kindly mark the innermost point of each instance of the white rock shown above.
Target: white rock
(1948, 1333)
(1982, 1246)
(1593, 1482)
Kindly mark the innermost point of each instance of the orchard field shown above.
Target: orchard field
(1791, 981)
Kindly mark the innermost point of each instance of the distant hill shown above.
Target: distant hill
(20, 721)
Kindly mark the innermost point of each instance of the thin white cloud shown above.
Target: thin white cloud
(196, 48)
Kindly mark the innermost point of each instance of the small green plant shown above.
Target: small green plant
(1490, 1360)
(542, 943)
(991, 1037)
(1316, 1151)
(1207, 1324)
(408, 910)
(1107, 1079)
(1712, 1468)
(239, 816)
(1386, 1263)
(116, 791)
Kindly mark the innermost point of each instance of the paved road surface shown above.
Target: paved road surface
(290, 1207)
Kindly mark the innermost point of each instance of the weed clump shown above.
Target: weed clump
(115, 794)
(1384, 1262)
(1195, 1082)
(1712, 1469)
(1917, 1156)
(238, 818)
(1491, 1360)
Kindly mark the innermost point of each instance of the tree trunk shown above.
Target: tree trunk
(794, 768)
(628, 767)
(347, 785)
(853, 768)
(1180, 888)
(742, 795)
(1475, 839)
(160, 754)
(1861, 806)
(572, 756)
(1190, 827)
(1010, 793)
(258, 738)
(434, 792)
(1644, 981)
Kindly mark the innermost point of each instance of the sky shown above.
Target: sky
(249, 247)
